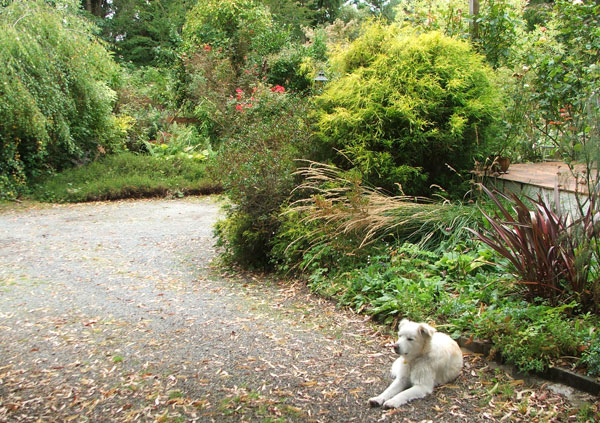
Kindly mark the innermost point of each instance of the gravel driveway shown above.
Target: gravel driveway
(111, 312)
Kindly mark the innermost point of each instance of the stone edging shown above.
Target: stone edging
(553, 374)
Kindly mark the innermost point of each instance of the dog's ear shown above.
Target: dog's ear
(402, 323)
(426, 331)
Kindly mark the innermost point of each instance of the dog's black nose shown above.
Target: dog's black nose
(397, 348)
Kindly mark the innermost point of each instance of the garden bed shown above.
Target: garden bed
(561, 375)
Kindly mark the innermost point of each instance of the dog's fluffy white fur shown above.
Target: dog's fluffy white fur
(427, 358)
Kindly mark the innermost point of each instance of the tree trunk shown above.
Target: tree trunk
(474, 12)
(95, 7)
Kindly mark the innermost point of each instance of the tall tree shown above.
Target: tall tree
(291, 13)
(144, 32)
(381, 8)
(325, 10)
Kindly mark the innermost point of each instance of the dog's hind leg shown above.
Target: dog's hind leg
(397, 386)
(414, 392)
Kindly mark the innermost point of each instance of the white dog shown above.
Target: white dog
(427, 358)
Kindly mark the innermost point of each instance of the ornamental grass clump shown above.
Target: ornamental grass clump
(337, 203)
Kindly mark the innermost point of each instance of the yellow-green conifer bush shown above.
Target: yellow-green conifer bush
(409, 108)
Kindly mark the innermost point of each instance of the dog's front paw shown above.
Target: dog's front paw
(375, 401)
(393, 404)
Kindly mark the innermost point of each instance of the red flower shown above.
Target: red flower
(239, 91)
(207, 48)
(249, 105)
(278, 89)
(239, 107)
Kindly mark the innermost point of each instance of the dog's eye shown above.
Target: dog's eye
(410, 339)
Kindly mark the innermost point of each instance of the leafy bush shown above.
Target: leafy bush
(180, 140)
(413, 109)
(256, 165)
(591, 355)
(238, 28)
(555, 83)
(499, 24)
(296, 65)
(145, 104)
(127, 175)
(55, 99)
(205, 83)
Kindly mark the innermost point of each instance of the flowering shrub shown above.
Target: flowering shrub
(269, 130)
(240, 28)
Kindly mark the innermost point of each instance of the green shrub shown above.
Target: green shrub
(180, 140)
(256, 165)
(145, 105)
(530, 336)
(591, 355)
(55, 96)
(295, 66)
(237, 28)
(127, 175)
(287, 69)
(204, 84)
(499, 24)
(413, 109)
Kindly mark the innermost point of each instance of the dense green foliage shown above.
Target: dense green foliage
(410, 109)
(144, 32)
(237, 28)
(271, 132)
(565, 76)
(127, 175)
(56, 96)
(460, 290)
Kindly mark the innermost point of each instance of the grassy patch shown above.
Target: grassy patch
(127, 175)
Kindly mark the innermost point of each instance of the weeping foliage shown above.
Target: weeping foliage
(414, 109)
(55, 95)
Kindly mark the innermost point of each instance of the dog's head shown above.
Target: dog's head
(413, 338)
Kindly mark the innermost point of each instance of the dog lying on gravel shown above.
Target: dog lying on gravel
(427, 358)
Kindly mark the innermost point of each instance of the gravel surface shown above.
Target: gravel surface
(111, 312)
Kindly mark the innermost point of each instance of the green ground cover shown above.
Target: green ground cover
(127, 175)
